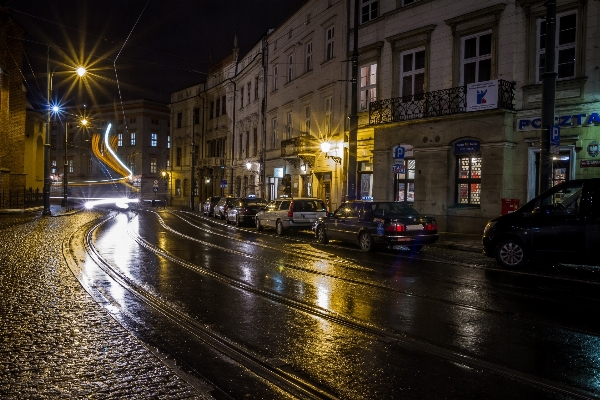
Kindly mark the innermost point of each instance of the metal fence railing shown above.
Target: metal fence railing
(21, 198)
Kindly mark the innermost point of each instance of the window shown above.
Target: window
(169, 142)
(178, 187)
(249, 89)
(476, 60)
(89, 165)
(153, 165)
(288, 126)
(290, 75)
(53, 165)
(309, 63)
(179, 119)
(70, 163)
(240, 144)
(368, 85)
(217, 107)
(211, 115)
(405, 181)
(53, 142)
(178, 157)
(223, 108)
(120, 139)
(168, 162)
(275, 77)
(196, 113)
(468, 181)
(242, 97)
(247, 143)
(412, 71)
(407, 2)
(256, 88)
(131, 121)
(329, 37)
(132, 139)
(306, 127)
(154, 139)
(368, 10)
(273, 133)
(328, 107)
(566, 41)
(255, 141)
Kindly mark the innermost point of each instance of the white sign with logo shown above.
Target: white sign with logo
(278, 172)
(482, 95)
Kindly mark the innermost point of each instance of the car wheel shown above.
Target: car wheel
(279, 228)
(322, 235)
(511, 253)
(366, 242)
(258, 225)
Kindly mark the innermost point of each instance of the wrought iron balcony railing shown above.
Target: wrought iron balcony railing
(303, 147)
(433, 104)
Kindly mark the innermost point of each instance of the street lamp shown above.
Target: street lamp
(81, 71)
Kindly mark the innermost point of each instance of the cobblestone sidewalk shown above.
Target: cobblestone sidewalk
(56, 341)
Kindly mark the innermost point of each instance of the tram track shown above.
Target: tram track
(261, 366)
(352, 265)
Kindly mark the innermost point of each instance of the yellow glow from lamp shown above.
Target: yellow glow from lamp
(325, 147)
(81, 71)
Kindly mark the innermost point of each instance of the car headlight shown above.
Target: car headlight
(488, 227)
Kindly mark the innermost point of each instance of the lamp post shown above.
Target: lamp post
(81, 71)
(83, 122)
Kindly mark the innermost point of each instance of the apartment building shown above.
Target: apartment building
(141, 129)
(456, 120)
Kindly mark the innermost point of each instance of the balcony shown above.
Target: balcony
(300, 148)
(433, 104)
(210, 162)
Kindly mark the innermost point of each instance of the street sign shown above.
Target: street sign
(554, 139)
(398, 169)
(223, 183)
(399, 152)
(155, 185)
(155, 189)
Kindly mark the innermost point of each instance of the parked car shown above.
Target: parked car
(244, 210)
(209, 205)
(562, 222)
(220, 210)
(395, 225)
(290, 213)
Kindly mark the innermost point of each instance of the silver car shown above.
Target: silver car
(291, 213)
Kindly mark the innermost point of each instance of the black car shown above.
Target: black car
(395, 225)
(209, 205)
(244, 210)
(563, 222)
(220, 210)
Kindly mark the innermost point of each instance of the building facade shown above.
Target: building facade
(434, 145)
(141, 133)
(12, 113)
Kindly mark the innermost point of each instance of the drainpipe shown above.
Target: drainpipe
(353, 134)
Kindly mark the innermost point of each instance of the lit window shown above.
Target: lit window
(169, 142)
(468, 181)
(120, 139)
(132, 139)
(368, 85)
(153, 139)
(153, 165)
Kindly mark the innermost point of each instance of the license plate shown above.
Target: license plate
(401, 239)
(414, 227)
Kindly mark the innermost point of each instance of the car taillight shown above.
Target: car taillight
(394, 227)
(291, 210)
(431, 226)
(245, 211)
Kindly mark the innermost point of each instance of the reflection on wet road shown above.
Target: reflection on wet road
(353, 325)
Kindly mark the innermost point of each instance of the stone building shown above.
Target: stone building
(456, 119)
(12, 111)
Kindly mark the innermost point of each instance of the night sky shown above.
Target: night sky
(159, 46)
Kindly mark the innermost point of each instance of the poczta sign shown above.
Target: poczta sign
(565, 121)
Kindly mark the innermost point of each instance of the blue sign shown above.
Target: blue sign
(398, 152)
(398, 169)
(563, 121)
(467, 146)
(554, 135)
(155, 189)
(223, 183)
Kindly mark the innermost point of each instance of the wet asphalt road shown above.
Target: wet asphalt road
(437, 324)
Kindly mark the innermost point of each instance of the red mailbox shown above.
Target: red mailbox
(509, 205)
